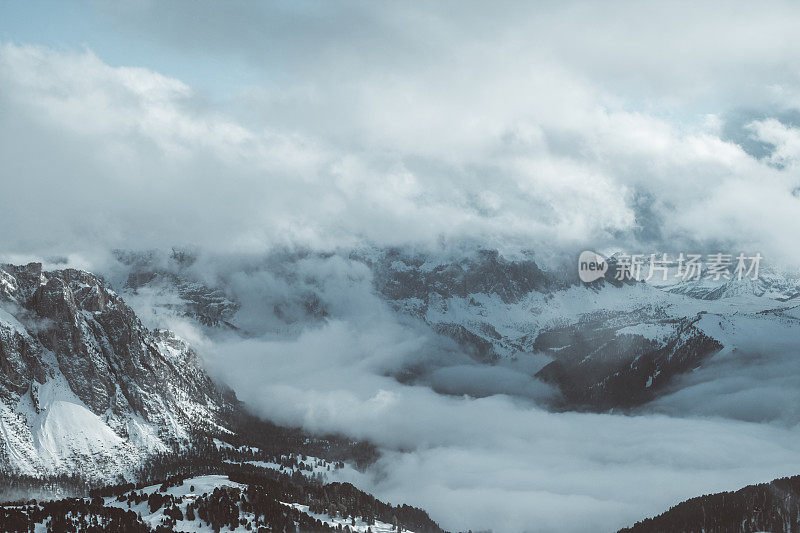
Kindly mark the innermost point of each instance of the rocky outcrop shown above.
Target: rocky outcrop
(400, 276)
(615, 361)
(71, 349)
(209, 306)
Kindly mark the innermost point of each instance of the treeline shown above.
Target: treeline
(17, 487)
(773, 506)
(71, 515)
(277, 440)
(257, 507)
(266, 488)
(342, 499)
(205, 457)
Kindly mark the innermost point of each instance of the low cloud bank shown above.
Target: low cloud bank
(498, 462)
(472, 443)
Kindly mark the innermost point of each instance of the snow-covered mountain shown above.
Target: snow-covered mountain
(89, 385)
(604, 345)
(607, 344)
(85, 387)
(771, 283)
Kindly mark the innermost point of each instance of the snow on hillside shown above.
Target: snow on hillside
(52, 430)
(357, 524)
(647, 330)
(312, 467)
(193, 488)
(201, 484)
(517, 324)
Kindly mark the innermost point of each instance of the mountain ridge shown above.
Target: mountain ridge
(773, 506)
(76, 356)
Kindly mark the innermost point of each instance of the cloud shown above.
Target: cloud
(527, 154)
(496, 462)
(544, 126)
(123, 155)
(674, 54)
(473, 444)
(785, 140)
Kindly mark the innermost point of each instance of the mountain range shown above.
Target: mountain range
(90, 386)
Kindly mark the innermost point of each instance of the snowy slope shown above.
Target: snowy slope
(202, 485)
(605, 345)
(86, 388)
(57, 433)
(193, 488)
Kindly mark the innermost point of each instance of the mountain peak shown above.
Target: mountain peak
(76, 351)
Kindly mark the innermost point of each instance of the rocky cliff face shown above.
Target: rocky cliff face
(160, 275)
(84, 386)
(400, 276)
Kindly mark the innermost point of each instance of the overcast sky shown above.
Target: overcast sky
(236, 126)
(533, 125)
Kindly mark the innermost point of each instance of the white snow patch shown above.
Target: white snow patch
(356, 525)
(9, 321)
(654, 332)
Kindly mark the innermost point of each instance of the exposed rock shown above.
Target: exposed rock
(70, 348)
